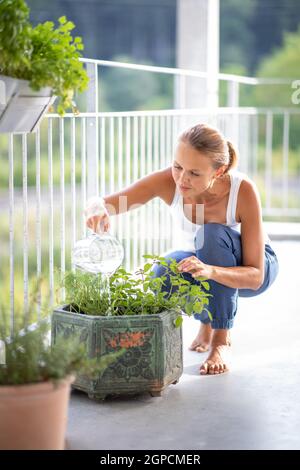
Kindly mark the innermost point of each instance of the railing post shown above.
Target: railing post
(51, 210)
(285, 160)
(268, 160)
(233, 94)
(38, 218)
(179, 92)
(25, 224)
(11, 230)
(92, 131)
(233, 98)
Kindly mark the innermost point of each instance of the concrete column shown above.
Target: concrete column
(198, 49)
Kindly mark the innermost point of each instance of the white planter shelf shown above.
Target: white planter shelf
(21, 108)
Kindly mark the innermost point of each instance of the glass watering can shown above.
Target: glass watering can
(98, 253)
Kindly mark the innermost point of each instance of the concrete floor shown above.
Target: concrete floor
(254, 406)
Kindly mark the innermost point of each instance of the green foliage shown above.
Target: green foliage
(283, 62)
(136, 294)
(83, 292)
(30, 359)
(126, 90)
(15, 37)
(44, 55)
(26, 356)
(237, 38)
(249, 29)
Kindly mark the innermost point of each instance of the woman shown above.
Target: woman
(229, 247)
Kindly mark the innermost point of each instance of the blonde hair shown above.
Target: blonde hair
(211, 142)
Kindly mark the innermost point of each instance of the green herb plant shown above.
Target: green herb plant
(84, 292)
(137, 294)
(27, 357)
(44, 55)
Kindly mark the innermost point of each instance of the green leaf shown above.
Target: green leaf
(145, 286)
(197, 307)
(206, 285)
(164, 263)
(183, 289)
(178, 321)
(194, 290)
(189, 309)
(147, 266)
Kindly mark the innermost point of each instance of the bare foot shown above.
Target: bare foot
(218, 359)
(203, 339)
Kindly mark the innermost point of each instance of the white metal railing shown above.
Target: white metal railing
(190, 73)
(233, 81)
(100, 153)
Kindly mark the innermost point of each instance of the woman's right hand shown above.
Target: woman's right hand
(97, 217)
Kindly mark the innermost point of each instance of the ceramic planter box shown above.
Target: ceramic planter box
(153, 357)
(21, 108)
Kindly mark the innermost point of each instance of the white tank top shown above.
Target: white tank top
(184, 230)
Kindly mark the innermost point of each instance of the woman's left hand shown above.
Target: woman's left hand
(195, 267)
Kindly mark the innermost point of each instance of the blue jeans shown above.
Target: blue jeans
(220, 245)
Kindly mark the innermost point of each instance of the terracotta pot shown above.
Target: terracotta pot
(34, 416)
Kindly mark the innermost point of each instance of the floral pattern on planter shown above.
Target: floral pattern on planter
(135, 361)
(74, 330)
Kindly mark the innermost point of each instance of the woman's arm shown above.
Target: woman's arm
(154, 185)
(99, 210)
(251, 274)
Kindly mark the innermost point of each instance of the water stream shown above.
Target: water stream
(99, 254)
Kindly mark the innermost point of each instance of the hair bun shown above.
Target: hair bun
(232, 156)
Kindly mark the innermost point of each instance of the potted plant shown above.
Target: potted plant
(35, 383)
(138, 315)
(37, 64)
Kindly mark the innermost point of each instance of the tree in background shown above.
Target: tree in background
(236, 35)
(271, 20)
(251, 29)
(145, 30)
(283, 62)
(128, 90)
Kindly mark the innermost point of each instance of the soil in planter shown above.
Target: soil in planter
(73, 309)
